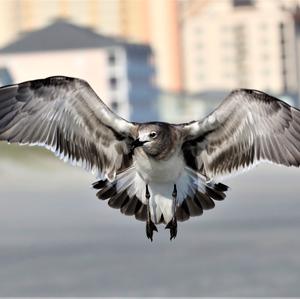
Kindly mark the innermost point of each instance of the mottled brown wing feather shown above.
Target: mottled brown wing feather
(248, 127)
(66, 116)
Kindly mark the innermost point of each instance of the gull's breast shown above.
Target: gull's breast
(152, 170)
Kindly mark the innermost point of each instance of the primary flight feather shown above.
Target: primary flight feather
(159, 172)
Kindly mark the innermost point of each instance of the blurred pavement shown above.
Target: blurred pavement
(58, 239)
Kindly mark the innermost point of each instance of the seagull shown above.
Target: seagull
(156, 171)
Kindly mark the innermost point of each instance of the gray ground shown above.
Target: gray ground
(57, 239)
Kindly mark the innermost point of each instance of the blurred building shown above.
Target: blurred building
(198, 45)
(5, 77)
(240, 43)
(143, 21)
(120, 72)
(185, 107)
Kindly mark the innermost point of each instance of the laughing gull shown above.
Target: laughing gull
(157, 171)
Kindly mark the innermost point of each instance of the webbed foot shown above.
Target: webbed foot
(172, 226)
(150, 228)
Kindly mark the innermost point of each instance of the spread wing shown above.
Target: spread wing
(66, 116)
(248, 127)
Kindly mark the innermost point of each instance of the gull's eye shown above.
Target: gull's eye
(153, 134)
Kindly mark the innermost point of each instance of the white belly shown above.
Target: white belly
(160, 176)
(160, 171)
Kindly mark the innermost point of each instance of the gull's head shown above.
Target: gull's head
(153, 138)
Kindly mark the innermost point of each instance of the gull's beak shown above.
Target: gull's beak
(137, 142)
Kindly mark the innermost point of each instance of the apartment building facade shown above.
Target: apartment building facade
(118, 71)
(240, 43)
(154, 22)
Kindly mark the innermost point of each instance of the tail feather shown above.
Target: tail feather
(215, 193)
(220, 187)
(181, 214)
(118, 200)
(120, 196)
(127, 193)
(129, 208)
(204, 200)
(141, 213)
(193, 208)
(200, 196)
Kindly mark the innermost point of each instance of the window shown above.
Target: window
(113, 82)
(241, 3)
(227, 75)
(265, 57)
(283, 56)
(199, 45)
(198, 30)
(111, 58)
(226, 43)
(265, 72)
(282, 33)
(114, 105)
(263, 26)
(201, 76)
(225, 28)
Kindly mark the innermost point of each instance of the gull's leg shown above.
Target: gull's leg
(150, 226)
(172, 225)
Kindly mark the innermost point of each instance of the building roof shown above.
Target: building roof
(62, 35)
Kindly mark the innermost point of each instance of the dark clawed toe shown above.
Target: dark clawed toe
(172, 226)
(150, 227)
